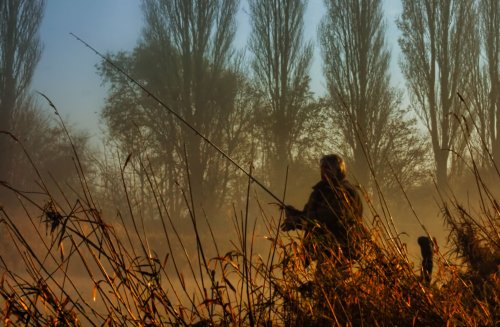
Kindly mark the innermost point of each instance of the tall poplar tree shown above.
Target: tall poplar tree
(436, 41)
(280, 64)
(374, 131)
(20, 51)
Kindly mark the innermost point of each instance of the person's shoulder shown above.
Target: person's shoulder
(348, 186)
(346, 183)
(319, 185)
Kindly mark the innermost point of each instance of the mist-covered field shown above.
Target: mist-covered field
(66, 261)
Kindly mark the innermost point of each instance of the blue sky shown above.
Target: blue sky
(67, 74)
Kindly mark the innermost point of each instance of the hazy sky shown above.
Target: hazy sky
(67, 74)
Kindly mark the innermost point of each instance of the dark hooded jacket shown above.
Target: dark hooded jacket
(331, 219)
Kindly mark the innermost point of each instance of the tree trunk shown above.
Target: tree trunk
(7, 94)
(361, 169)
(442, 167)
(495, 105)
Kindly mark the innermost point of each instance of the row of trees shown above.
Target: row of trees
(186, 56)
(257, 105)
(260, 108)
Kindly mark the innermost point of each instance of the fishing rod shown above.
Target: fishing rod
(179, 117)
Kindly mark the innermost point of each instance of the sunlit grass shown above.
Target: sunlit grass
(69, 263)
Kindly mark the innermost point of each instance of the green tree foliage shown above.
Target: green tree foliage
(288, 117)
(186, 58)
(365, 109)
(438, 42)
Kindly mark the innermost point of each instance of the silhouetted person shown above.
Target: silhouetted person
(332, 216)
(427, 249)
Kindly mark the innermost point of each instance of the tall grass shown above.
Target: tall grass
(70, 264)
